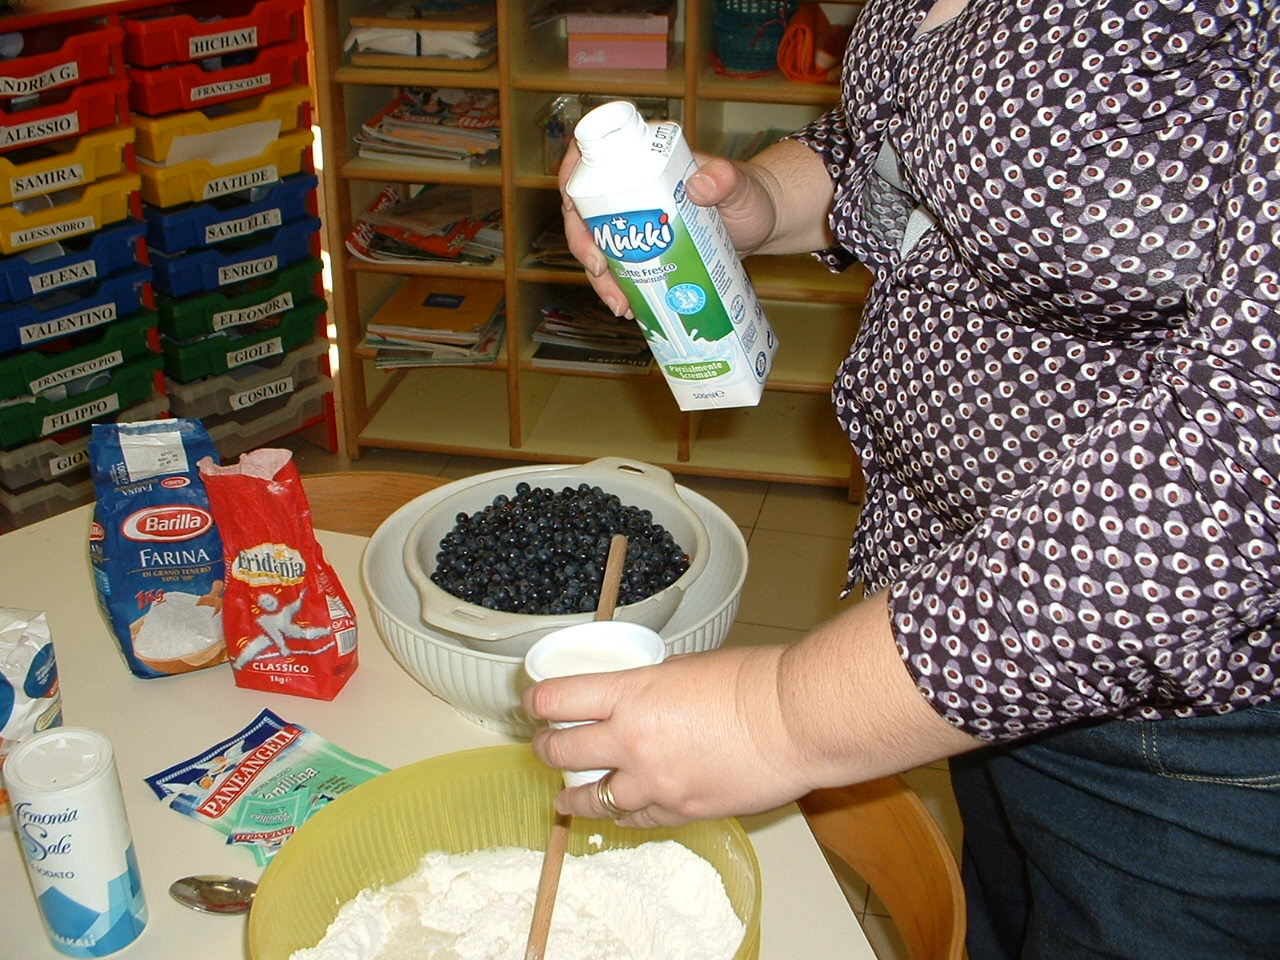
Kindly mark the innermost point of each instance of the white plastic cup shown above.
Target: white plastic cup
(69, 815)
(602, 646)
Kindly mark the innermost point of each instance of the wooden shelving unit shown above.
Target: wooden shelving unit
(510, 409)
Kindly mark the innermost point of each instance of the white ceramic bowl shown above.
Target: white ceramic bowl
(634, 483)
(485, 687)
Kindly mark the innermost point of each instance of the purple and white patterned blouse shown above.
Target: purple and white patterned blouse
(1065, 390)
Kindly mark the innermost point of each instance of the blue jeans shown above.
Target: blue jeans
(1126, 841)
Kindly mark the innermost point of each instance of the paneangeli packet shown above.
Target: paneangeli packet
(260, 784)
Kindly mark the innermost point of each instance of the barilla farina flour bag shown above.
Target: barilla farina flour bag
(288, 623)
(154, 546)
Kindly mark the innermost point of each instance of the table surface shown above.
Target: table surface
(382, 714)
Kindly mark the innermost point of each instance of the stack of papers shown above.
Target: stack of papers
(581, 334)
(436, 320)
(439, 36)
(433, 124)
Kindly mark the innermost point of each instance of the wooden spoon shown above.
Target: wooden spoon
(553, 858)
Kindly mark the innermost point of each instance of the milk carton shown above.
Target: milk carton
(672, 258)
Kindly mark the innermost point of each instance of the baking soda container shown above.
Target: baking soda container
(70, 819)
(672, 258)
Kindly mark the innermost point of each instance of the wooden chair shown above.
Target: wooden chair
(884, 833)
(357, 501)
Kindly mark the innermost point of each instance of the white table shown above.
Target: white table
(382, 714)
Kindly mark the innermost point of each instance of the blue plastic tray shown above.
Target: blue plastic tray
(68, 312)
(180, 275)
(89, 258)
(195, 227)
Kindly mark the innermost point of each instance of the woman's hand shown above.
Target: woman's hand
(748, 197)
(736, 731)
(697, 736)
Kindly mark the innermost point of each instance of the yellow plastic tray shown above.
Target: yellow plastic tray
(200, 180)
(97, 204)
(63, 164)
(156, 134)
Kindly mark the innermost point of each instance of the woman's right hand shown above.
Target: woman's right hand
(739, 191)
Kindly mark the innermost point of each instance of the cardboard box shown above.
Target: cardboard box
(617, 41)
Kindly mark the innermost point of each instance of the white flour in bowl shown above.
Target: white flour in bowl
(657, 901)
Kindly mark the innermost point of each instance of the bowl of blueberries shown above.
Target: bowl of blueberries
(514, 554)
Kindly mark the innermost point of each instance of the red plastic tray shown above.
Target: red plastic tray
(168, 35)
(58, 56)
(67, 112)
(189, 86)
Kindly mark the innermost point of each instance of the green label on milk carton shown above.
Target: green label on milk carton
(659, 268)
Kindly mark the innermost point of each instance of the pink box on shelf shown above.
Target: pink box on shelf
(617, 41)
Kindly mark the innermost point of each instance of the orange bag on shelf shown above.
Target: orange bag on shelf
(812, 47)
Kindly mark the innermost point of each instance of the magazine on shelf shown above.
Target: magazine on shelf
(556, 356)
(446, 223)
(586, 323)
(435, 122)
(391, 354)
(440, 310)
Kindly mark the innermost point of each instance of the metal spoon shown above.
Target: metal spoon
(214, 894)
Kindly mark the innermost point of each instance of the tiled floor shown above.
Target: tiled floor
(796, 538)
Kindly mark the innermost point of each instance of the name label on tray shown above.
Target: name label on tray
(74, 372)
(66, 125)
(46, 180)
(200, 47)
(52, 231)
(62, 73)
(259, 351)
(263, 220)
(66, 462)
(235, 182)
(267, 391)
(64, 276)
(259, 311)
(247, 269)
(230, 88)
(86, 411)
(71, 323)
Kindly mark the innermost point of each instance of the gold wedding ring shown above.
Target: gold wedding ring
(604, 793)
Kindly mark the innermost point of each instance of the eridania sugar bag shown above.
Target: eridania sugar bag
(288, 623)
(155, 550)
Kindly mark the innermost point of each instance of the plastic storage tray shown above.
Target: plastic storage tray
(44, 168)
(245, 303)
(199, 271)
(237, 392)
(67, 312)
(65, 112)
(43, 417)
(86, 259)
(200, 180)
(85, 210)
(217, 353)
(169, 34)
(59, 55)
(52, 457)
(173, 230)
(45, 500)
(190, 86)
(232, 436)
(287, 107)
(34, 372)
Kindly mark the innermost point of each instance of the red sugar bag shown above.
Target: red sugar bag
(288, 623)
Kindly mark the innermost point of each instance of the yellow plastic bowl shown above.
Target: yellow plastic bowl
(460, 802)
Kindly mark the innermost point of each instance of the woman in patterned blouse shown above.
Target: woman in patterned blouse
(1065, 393)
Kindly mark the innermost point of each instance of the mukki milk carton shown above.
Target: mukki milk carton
(672, 258)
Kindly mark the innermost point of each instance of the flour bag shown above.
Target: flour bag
(288, 623)
(154, 546)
